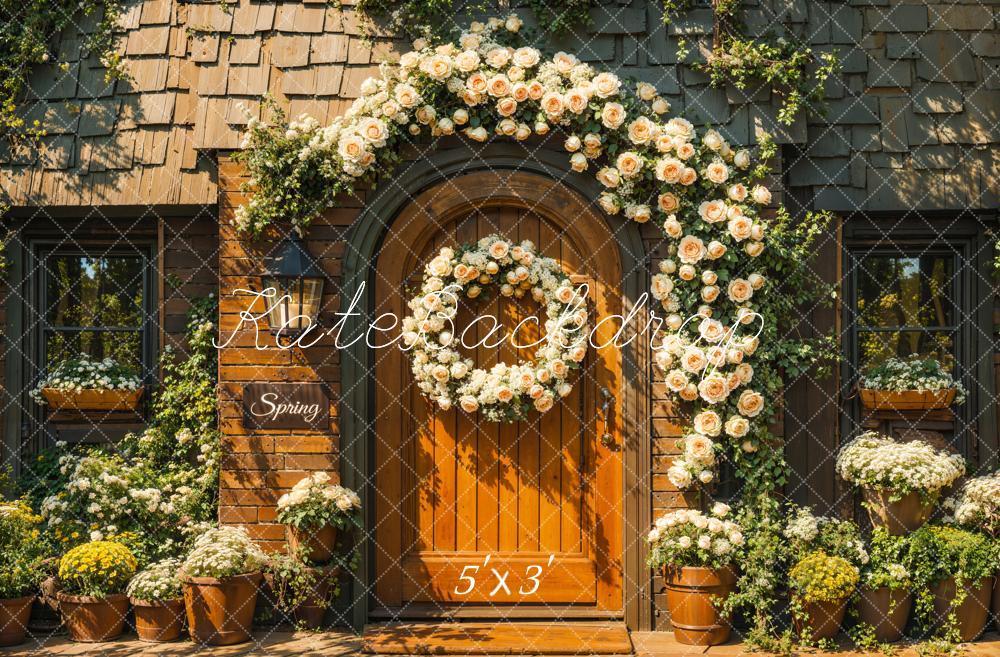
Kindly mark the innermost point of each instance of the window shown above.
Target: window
(921, 285)
(905, 305)
(95, 301)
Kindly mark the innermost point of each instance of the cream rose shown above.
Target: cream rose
(640, 131)
(498, 86)
(613, 115)
(690, 249)
(740, 227)
(668, 170)
(712, 211)
(737, 426)
(406, 95)
(739, 290)
(497, 57)
(708, 423)
(553, 104)
(750, 403)
(609, 177)
(506, 106)
(713, 389)
(716, 249)
(761, 195)
(667, 202)
(629, 164)
(693, 360)
(606, 84)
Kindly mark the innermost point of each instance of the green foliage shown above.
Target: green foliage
(793, 71)
(889, 561)
(293, 582)
(152, 489)
(21, 550)
(30, 27)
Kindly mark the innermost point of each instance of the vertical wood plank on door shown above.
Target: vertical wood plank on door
(465, 457)
(506, 223)
(488, 433)
(550, 456)
(528, 438)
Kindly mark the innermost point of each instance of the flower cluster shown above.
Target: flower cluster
(106, 494)
(21, 550)
(875, 461)
(890, 565)
(690, 538)
(157, 582)
(504, 393)
(923, 374)
(807, 533)
(820, 577)
(98, 568)
(701, 190)
(83, 373)
(314, 502)
(976, 506)
(223, 552)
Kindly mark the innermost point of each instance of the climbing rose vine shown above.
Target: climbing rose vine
(699, 189)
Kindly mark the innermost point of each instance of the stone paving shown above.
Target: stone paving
(337, 643)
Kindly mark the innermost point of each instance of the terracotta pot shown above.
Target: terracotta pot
(315, 545)
(690, 595)
(91, 620)
(159, 622)
(900, 517)
(92, 400)
(311, 611)
(220, 611)
(822, 619)
(14, 615)
(906, 400)
(886, 610)
(974, 612)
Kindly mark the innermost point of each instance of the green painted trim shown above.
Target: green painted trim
(14, 363)
(385, 202)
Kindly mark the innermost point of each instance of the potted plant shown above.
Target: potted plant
(695, 553)
(976, 507)
(20, 569)
(886, 598)
(302, 592)
(313, 512)
(92, 580)
(900, 481)
(221, 577)
(90, 385)
(960, 579)
(910, 384)
(821, 585)
(158, 600)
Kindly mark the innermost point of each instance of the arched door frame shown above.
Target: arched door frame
(357, 387)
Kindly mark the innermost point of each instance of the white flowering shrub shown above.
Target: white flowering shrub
(875, 461)
(223, 552)
(157, 582)
(506, 392)
(690, 538)
(806, 532)
(976, 506)
(77, 374)
(314, 502)
(922, 374)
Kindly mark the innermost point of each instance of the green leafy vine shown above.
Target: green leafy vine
(30, 28)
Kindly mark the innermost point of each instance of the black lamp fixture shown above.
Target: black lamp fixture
(298, 289)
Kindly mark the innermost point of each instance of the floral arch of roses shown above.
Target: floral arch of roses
(488, 82)
(504, 393)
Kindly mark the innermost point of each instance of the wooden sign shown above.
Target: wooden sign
(286, 406)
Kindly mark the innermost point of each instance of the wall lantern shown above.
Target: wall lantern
(298, 287)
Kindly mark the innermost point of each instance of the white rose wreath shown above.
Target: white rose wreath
(504, 393)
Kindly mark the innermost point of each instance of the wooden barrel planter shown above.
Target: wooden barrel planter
(92, 400)
(974, 611)
(314, 545)
(906, 400)
(691, 597)
(821, 619)
(886, 610)
(900, 517)
(220, 610)
(93, 620)
(159, 621)
(996, 603)
(14, 615)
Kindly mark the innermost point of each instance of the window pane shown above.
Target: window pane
(874, 347)
(895, 290)
(86, 291)
(124, 346)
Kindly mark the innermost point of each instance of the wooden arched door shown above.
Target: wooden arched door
(477, 513)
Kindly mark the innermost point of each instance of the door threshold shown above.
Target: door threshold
(469, 612)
